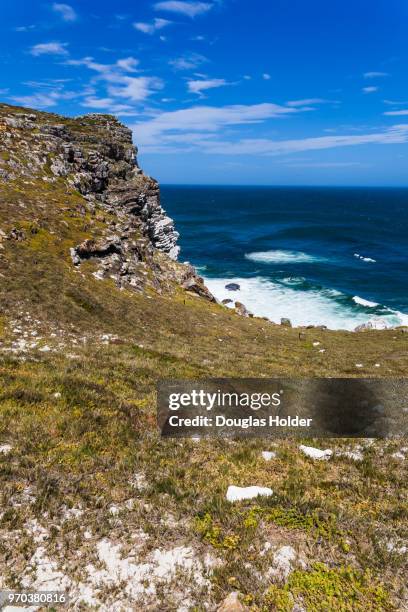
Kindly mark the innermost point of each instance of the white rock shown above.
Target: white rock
(283, 560)
(5, 449)
(316, 453)
(237, 493)
(268, 455)
(356, 455)
(398, 455)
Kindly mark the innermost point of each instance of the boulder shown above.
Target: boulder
(196, 285)
(232, 604)
(227, 301)
(232, 287)
(375, 323)
(242, 310)
(285, 322)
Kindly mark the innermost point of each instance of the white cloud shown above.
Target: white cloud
(151, 28)
(375, 75)
(45, 99)
(394, 103)
(397, 113)
(191, 9)
(323, 164)
(108, 104)
(257, 146)
(128, 64)
(24, 28)
(266, 76)
(201, 85)
(202, 120)
(119, 85)
(51, 48)
(189, 61)
(200, 128)
(307, 102)
(368, 90)
(136, 89)
(66, 11)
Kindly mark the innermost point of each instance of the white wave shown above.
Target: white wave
(363, 302)
(282, 257)
(366, 259)
(309, 307)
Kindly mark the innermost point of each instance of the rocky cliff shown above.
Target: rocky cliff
(93, 156)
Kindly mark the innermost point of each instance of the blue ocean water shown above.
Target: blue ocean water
(332, 256)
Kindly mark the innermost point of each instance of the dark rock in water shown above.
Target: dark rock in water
(233, 287)
(286, 322)
(226, 301)
(242, 310)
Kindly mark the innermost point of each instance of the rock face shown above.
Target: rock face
(95, 157)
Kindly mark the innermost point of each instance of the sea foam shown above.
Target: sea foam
(282, 257)
(328, 307)
(363, 302)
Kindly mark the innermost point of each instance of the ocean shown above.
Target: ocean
(317, 255)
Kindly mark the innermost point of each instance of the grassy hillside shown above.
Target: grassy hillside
(93, 501)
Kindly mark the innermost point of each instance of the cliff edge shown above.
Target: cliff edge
(129, 237)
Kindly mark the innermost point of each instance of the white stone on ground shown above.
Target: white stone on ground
(356, 454)
(283, 561)
(316, 453)
(268, 455)
(237, 493)
(5, 449)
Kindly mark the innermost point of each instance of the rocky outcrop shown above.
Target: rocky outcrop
(95, 157)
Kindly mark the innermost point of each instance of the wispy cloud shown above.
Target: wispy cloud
(119, 84)
(50, 48)
(395, 103)
(201, 128)
(135, 89)
(152, 27)
(397, 113)
(375, 75)
(201, 85)
(266, 76)
(203, 121)
(128, 64)
(26, 28)
(323, 164)
(395, 135)
(188, 61)
(308, 102)
(66, 11)
(190, 9)
(368, 90)
(45, 99)
(108, 104)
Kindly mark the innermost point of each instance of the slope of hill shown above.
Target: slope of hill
(95, 309)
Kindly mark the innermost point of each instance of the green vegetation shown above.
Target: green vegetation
(79, 363)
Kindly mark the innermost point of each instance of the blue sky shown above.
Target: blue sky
(226, 91)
